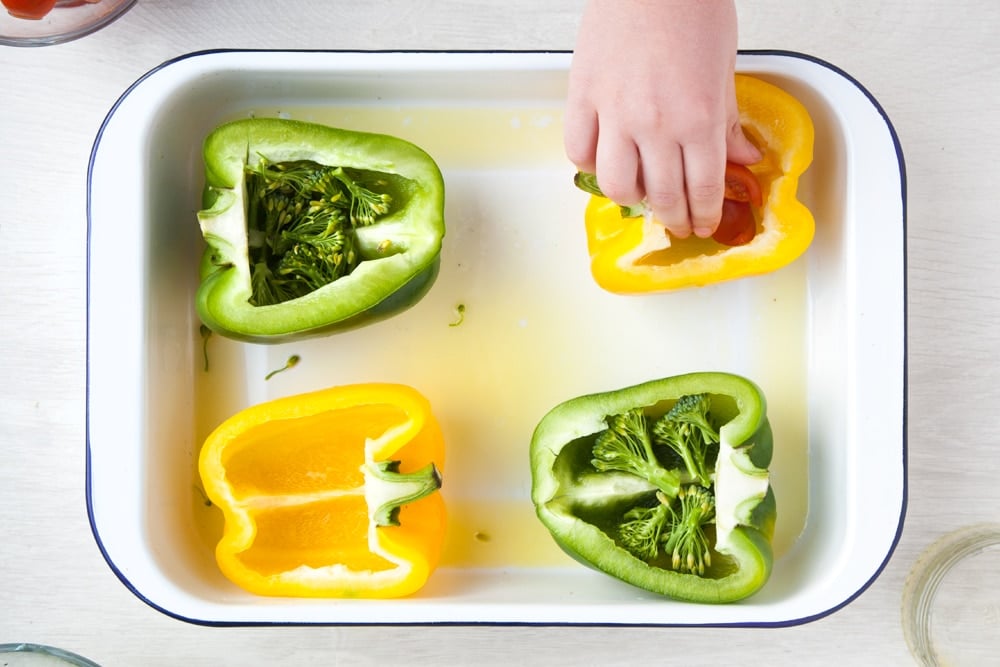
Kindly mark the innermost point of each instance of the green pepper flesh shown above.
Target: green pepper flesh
(399, 253)
(583, 507)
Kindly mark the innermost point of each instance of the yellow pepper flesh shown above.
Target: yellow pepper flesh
(295, 479)
(625, 259)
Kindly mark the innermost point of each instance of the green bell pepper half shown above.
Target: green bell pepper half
(393, 247)
(618, 496)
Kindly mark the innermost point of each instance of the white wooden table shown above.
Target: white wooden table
(934, 68)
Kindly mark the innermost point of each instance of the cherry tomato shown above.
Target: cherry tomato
(742, 185)
(738, 226)
(29, 9)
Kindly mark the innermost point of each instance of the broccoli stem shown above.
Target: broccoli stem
(625, 447)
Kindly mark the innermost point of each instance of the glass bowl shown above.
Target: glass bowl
(40, 655)
(68, 20)
(951, 600)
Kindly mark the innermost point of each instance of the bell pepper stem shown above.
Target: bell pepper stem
(395, 489)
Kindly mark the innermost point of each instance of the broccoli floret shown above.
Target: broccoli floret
(644, 527)
(310, 266)
(625, 447)
(292, 362)
(686, 542)
(366, 206)
(687, 431)
(266, 287)
(677, 526)
(301, 221)
(685, 502)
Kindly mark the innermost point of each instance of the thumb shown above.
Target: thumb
(739, 149)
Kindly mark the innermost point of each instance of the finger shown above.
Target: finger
(618, 170)
(580, 138)
(663, 180)
(705, 185)
(739, 148)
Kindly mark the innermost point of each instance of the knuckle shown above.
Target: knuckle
(619, 190)
(650, 120)
(665, 198)
(706, 192)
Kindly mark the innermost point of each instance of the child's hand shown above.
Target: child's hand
(652, 108)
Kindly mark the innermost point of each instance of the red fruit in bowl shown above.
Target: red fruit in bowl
(29, 9)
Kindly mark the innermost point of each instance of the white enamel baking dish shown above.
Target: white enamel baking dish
(824, 338)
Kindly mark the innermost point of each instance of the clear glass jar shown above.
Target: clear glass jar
(951, 600)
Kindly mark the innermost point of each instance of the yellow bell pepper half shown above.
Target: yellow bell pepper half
(628, 254)
(330, 493)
